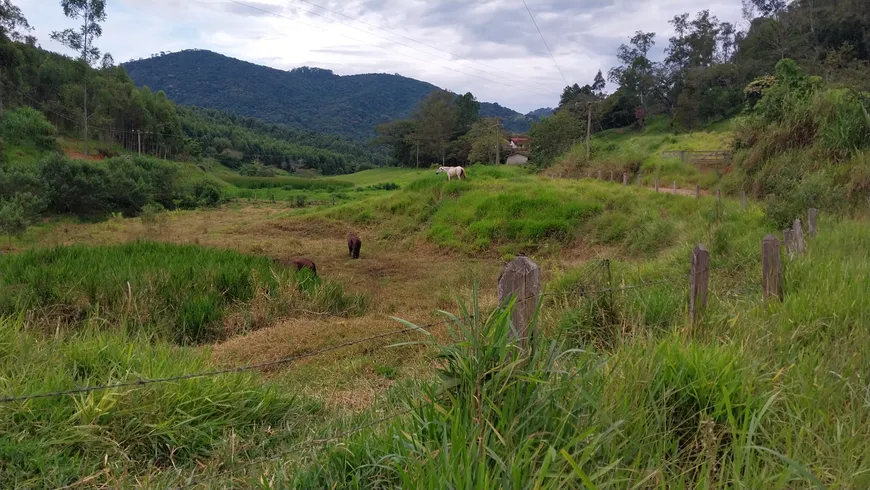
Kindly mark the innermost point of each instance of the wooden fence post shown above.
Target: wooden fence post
(699, 283)
(697, 191)
(611, 175)
(657, 184)
(522, 278)
(675, 187)
(624, 179)
(743, 200)
(788, 241)
(812, 221)
(638, 179)
(798, 235)
(599, 175)
(771, 268)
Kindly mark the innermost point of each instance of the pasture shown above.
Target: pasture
(620, 391)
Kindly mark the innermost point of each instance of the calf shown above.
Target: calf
(299, 264)
(305, 264)
(353, 245)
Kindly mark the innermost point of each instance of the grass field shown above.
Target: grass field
(633, 151)
(619, 390)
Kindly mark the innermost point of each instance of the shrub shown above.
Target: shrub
(123, 185)
(256, 169)
(203, 193)
(27, 127)
(19, 212)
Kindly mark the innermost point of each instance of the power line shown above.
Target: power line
(415, 41)
(240, 369)
(545, 43)
(276, 14)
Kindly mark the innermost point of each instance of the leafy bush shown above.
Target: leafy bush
(203, 193)
(19, 212)
(257, 169)
(27, 127)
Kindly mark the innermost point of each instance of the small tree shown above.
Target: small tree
(90, 13)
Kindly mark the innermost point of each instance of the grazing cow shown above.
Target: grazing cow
(305, 264)
(353, 245)
(298, 264)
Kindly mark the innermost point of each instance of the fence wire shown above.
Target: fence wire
(240, 369)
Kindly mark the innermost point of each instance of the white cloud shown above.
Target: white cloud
(510, 64)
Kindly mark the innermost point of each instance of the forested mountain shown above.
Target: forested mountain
(309, 98)
(119, 113)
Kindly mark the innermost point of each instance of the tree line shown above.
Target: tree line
(712, 68)
(445, 129)
(95, 100)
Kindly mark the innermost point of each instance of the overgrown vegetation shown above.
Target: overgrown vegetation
(158, 426)
(184, 294)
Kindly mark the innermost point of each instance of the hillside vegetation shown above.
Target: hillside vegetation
(314, 99)
(146, 121)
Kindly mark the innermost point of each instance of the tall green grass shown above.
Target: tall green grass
(184, 293)
(659, 411)
(108, 437)
(285, 183)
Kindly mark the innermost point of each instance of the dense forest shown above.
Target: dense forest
(713, 70)
(310, 98)
(139, 119)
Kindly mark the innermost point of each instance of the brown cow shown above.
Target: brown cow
(353, 245)
(303, 263)
(299, 264)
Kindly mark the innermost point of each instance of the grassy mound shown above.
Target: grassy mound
(180, 292)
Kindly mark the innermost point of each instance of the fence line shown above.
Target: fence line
(310, 444)
(240, 369)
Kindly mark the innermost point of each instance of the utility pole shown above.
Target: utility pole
(497, 142)
(418, 153)
(588, 127)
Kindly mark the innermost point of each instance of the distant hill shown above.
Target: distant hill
(308, 98)
(538, 114)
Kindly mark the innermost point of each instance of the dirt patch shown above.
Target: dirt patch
(81, 156)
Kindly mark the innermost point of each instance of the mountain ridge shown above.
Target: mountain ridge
(309, 98)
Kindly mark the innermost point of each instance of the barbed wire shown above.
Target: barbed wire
(311, 444)
(239, 369)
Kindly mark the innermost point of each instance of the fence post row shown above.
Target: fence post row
(699, 283)
(771, 268)
(521, 278)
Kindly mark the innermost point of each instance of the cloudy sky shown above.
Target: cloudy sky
(488, 47)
